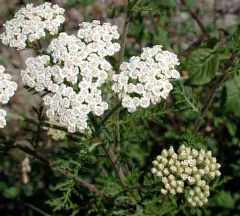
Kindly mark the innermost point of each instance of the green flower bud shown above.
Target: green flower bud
(172, 191)
(160, 166)
(168, 186)
(173, 183)
(173, 169)
(171, 151)
(209, 153)
(163, 191)
(154, 170)
(179, 190)
(166, 171)
(155, 163)
(180, 183)
(218, 173)
(194, 153)
(165, 180)
(201, 172)
(159, 174)
(165, 153)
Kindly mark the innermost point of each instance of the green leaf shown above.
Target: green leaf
(232, 103)
(3, 185)
(203, 66)
(224, 199)
(11, 192)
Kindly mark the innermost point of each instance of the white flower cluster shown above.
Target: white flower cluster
(31, 23)
(145, 80)
(73, 73)
(100, 37)
(7, 90)
(188, 170)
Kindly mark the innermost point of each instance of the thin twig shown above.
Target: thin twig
(81, 182)
(31, 152)
(36, 209)
(92, 188)
(196, 18)
(110, 113)
(120, 177)
(188, 50)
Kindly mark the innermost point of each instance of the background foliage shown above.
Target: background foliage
(109, 174)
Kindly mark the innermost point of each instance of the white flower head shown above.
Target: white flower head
(32, 23)
(186, 171)
(73, 73)
(7, 90)
(145, 80)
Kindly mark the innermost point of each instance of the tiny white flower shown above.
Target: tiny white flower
(7, 90)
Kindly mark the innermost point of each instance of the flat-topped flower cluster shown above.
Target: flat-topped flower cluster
(74, 68)
(73, 73)
(189, 171)
(145, 80)
(7, 90)
(31, 23)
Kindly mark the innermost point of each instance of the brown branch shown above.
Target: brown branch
(31, 152)
(196, 18)
(92, 188)
(36, 209)
(195, 44)
(119, 175)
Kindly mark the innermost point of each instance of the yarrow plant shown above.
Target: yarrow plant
(145, 80)
(32, 23)
(187, 171)
(7, 90)
(85, 87)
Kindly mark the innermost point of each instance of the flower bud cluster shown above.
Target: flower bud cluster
(7, 90)
(56, 135)
(187, 171)
(73, 73)
(32, 23)
(145, 80)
